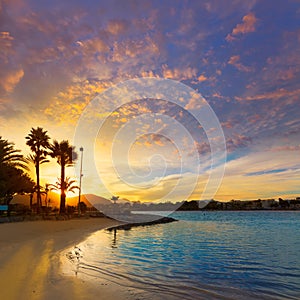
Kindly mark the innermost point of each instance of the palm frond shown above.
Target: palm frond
(11, 156)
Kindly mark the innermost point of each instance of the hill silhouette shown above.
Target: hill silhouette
(89, 199)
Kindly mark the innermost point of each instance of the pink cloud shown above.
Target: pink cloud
(203, 147)
(286, 148)
(6, 41)
(278, 94)
(237, 141)
(11, 79)
(195, 102)
(202, 78)
(248, 25)
(117, 27)
(235, 61)
(150, 140)
(179, 73)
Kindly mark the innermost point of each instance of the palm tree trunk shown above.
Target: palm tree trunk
(38, 192)
(62, 208)
(30, 200)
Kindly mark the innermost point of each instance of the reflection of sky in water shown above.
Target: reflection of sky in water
(235, 254)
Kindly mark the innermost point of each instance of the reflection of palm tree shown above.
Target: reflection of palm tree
(38, 141)
(65, 155)
(67, 186)
(114, 241)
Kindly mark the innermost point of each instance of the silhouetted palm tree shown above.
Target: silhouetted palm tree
(38, 141)
(68, 185)
(12, 178)
(114, 198)
(65, 155)
(10, 156)
(35, 160)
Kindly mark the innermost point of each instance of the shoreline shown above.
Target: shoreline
(31, 259)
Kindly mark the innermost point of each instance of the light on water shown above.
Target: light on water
(206, 255)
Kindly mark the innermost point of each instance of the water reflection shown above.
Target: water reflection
(114, 240)
(204, 252)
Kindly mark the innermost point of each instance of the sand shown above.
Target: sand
(30, 256)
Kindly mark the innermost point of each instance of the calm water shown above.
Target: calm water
(206, 255)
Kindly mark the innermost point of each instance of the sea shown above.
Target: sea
(204, 255)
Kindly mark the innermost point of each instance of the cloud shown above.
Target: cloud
(202, 78)
(6, 41)
(117, 27)
(54, 61)
(286, 148)
(284, 67)
(152, 139)
(195, 102)
(67, 105)
(130, 50)
(92, 46)
(202, 148)
(248, 25)
(11, 79)
(179, 73)
(237, 185)
(237, 141)
(275, 95)
(235, 61)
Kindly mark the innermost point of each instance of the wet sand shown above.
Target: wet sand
(30, 258)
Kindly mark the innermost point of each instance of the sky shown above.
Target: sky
(221, 119)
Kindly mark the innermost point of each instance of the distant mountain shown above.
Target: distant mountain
(89, 199)
(25, 199)
(123, 201)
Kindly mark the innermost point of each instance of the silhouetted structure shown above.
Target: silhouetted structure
(38, 141)
(65, 155)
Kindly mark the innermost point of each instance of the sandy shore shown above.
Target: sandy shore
(30, 260)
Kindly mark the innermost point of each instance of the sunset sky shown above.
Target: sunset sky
(242, 56)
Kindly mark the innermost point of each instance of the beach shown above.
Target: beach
(204, 255)
(30, 259)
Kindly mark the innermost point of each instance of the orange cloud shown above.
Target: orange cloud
(195, 102)
(116, 27)
(150, 140)
(93, 46)
(202, 78)
(5, 37)
(5, 45)
(280, 93)
(287, 148)
(248, 25)
(237, 141)
(235, 61)
(10, 81)
(179, 74)
(131, 49)
(68, 104)
(148, 74)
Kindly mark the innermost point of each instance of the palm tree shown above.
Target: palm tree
(37, 161)
(12, 178)
(65, 155)
(38, 141)
(114, 198)
(10, 156)
(68, 185)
